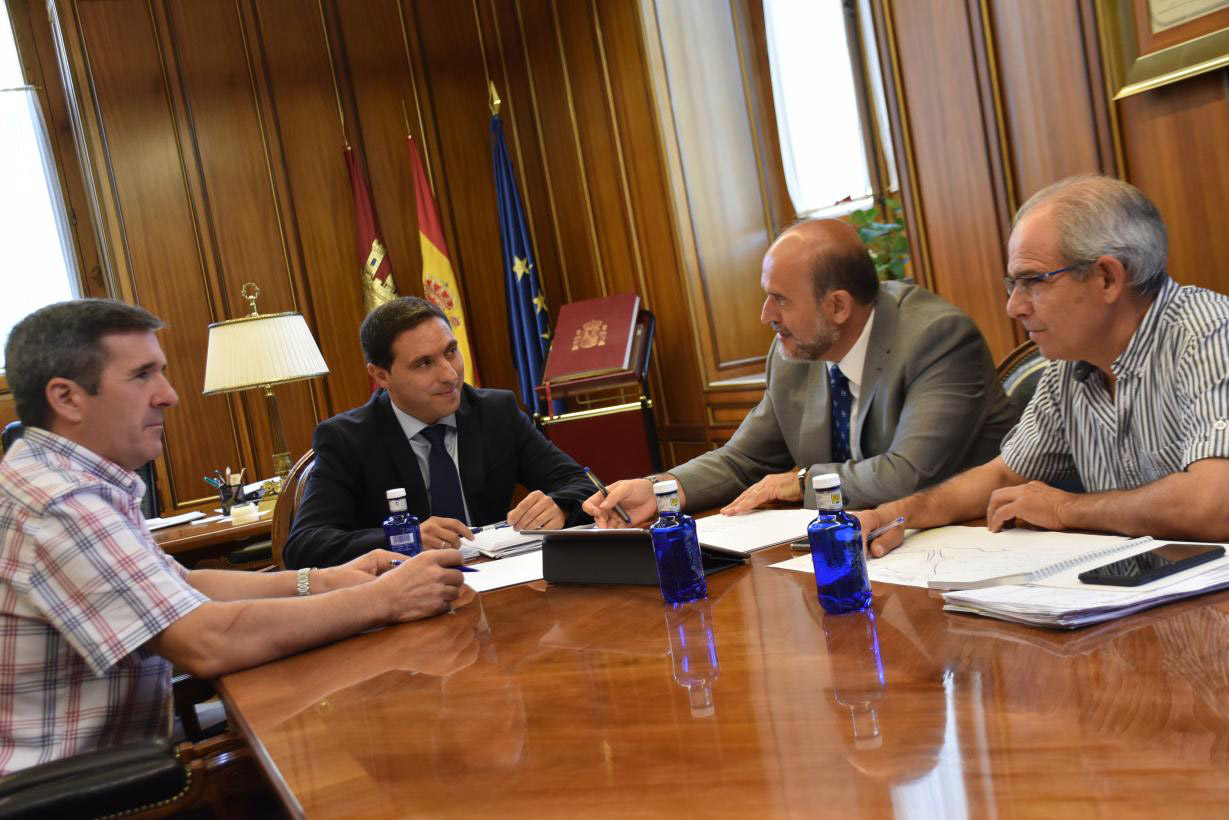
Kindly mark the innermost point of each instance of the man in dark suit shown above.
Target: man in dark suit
(458, 451)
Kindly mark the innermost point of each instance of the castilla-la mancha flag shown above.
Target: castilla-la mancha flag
(439, 283)
(378, 284)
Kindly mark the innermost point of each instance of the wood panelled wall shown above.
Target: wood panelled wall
(644, 137)
(213, 155)
(992, 100)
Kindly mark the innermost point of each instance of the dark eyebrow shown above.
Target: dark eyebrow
(145, 368)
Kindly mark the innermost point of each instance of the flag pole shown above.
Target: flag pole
(494, 100)
(422, 129)
(341, 117)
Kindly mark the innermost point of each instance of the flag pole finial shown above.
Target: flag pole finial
(494, 101)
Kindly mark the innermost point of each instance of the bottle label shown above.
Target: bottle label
(668, 502)
(403, 538)
(830, 499)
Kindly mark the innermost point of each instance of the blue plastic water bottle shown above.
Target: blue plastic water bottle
(679, 568)
(836, 550)
(401, 526)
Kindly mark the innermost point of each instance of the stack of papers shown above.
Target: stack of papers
(520, 569)
(1029, 576)
(501, 542)
(1067, 603)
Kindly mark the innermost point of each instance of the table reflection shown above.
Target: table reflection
(693, 654)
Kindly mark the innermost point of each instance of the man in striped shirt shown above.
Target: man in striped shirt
(92, 612)
(1136, 405)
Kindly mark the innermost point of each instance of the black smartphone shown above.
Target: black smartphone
(1146, 567)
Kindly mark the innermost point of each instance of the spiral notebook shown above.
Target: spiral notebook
(952, 558)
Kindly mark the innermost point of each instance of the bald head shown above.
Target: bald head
(833, 253)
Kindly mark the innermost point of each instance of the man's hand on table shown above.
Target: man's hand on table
(770, 488)
(1035, 503)
(424, 585)
(440, 533)
(537, 511)
(872, 520)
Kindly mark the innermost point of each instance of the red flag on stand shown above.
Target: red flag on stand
(377, 270)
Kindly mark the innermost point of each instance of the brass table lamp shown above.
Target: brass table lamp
(261, 350)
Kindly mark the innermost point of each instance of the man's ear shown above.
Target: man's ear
(66, 399)
(1111, 278)
(378, 375)
(838, 304)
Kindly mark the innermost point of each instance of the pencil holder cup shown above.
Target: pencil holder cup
(228, 493)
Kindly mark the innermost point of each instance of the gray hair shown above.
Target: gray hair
(1102, 216)
(64, 340)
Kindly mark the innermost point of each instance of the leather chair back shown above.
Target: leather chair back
(288, 503)
(1019, 373)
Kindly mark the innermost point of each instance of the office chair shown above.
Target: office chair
(1019, 373)
(288, 503)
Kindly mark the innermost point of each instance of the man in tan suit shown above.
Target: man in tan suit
(885, 384)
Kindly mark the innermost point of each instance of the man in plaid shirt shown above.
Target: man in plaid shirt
(92, 612)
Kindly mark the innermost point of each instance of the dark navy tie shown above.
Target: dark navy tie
(842, 404)
(446, 498)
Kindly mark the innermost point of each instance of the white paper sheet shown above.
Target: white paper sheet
(161, 523)
(506, 572)
(966, 554)
(756, 530)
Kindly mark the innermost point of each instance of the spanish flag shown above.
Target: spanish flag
(439, 283)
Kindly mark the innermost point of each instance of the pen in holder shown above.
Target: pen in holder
(231, 494)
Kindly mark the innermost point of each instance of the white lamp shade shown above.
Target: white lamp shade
(257, 350)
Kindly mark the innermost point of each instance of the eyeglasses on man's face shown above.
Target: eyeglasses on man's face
(1027, 284)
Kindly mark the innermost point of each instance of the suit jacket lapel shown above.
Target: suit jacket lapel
(405, 463)
(471, 456)
(878, 352)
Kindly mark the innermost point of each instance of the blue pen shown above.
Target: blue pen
(396, 562)
(878, 531)
(486, 527)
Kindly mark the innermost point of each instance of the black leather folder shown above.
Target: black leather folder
(593, 556)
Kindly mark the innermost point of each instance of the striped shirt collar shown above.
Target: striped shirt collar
(1135, 355)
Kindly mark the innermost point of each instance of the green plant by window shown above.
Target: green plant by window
(886, 241)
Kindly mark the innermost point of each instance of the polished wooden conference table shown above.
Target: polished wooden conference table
(550, 701)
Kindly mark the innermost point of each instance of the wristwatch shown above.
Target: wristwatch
(303, 585)
(802, 483)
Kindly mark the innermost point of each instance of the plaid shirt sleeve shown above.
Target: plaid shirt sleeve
(100, 581)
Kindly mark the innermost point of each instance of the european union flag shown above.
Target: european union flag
(528, 319)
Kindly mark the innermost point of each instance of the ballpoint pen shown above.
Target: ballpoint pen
(878, 531)
(804, 543)
(496, 526)
(601, 488)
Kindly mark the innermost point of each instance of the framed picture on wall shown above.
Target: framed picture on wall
(1149, 43)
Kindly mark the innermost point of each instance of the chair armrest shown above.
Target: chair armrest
(123, 779)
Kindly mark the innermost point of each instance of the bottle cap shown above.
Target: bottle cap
(826, 481)
(667, 486)
(399, 492)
